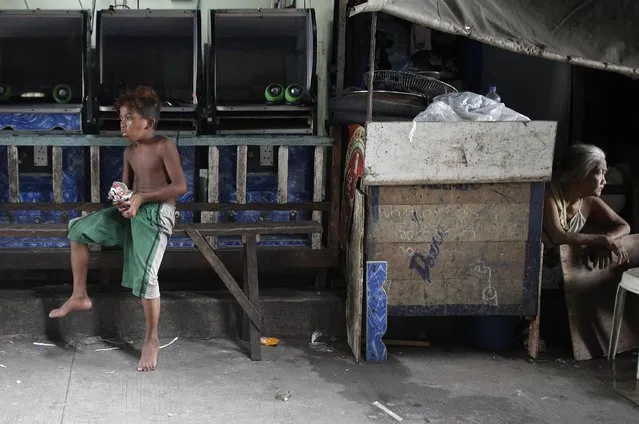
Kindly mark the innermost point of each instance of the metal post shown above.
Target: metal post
(371, 67)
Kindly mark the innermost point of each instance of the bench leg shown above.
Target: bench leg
(251, 286)
(249, 304)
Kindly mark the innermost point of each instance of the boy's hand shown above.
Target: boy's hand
(131, 206)
(121, 206)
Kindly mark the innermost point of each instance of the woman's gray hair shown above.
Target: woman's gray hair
(578, 161)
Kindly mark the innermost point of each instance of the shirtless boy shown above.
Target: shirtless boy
(142, 225)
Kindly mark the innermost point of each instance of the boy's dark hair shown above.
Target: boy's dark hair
(144, 100)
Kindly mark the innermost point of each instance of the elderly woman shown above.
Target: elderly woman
(573, 199)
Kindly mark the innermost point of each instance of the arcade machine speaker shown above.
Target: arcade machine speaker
(160, 48)
(42, 70)
(261, 71)
(42, 91)
(261, 74)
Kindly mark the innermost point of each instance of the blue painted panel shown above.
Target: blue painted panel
(262, 187)
(376, 310)
(39, 188)
(41, 121)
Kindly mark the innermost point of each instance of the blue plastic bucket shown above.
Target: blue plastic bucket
(493, 332)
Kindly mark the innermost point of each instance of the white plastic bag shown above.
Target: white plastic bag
(467, 106)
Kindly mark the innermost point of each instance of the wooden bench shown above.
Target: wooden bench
(247, 296)
(321, 253)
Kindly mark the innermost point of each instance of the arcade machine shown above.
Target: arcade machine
(261, 80)
(158, 48)
(42, 92)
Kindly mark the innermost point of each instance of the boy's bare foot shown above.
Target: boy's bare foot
(149, 357)
(73, 304)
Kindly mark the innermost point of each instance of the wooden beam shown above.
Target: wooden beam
(240, 174)
(196, 206)
(14, 174)
(251, 287)
(226, 277)
(94, 152)
(95, 174)
(282, 174)
(202, 140)
(219, 229)
(319, 182)
(334, 233)
(213, 188)
(56, 165)
(269, 259)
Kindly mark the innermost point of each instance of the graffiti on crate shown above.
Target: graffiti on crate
(460, 187)
(421, 263)
(483, 273)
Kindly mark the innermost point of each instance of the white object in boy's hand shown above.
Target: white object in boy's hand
(119, 192)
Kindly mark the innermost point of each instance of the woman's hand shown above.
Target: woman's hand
(621, 253)
(601, 257)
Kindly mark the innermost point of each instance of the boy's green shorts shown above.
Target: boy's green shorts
(143, 239)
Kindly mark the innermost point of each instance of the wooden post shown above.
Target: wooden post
(213, 190)
(95, 174)
(56, 165)
(318, 191)
(14, 177)
(282, 174)
(334, 233)
(240, 174)
(252, 290)
(94, 153)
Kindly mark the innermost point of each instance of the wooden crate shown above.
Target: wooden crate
(453, 222)
(455, 249)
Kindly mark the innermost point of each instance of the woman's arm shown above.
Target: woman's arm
(608, 219)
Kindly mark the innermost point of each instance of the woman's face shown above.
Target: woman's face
(595, 181)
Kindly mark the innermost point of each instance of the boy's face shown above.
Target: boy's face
(133, 126)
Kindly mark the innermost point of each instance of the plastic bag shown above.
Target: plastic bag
(467, 106)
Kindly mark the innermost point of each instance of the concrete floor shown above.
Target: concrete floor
(213, 381)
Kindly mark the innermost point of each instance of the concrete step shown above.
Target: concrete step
(287, 313)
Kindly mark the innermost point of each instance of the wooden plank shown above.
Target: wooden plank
(212, 189)
(435, 261)
(446, 194)
(56, 165)
(240, 174)
(95, 174)
(355, 277)
(269, 259)
(94, 152)
(14, 174)
(203, 206)
(202, 140)
(226, 277)
(590, 297)
(282, 174)
(220, 229)
(334, 233)
(252, 288)
(407, 153)
(467, 222)
(319, 180)
(471, 290)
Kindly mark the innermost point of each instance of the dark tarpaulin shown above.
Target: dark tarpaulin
(601, 34)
